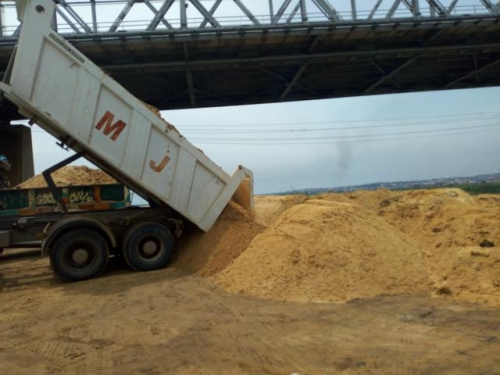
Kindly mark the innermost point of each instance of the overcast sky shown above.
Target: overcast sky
(388, 138)
(366, 157)
(306, 144)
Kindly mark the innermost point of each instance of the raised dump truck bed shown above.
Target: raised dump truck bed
(61, 90)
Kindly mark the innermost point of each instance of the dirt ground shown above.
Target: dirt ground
(169, 322)
(361, 283)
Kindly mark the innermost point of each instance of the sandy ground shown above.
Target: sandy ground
(361, 283)
(168, 322)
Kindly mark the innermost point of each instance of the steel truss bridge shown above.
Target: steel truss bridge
(200, 53)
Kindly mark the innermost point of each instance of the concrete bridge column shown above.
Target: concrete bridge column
(15, 143)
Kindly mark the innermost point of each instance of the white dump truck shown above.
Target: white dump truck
(61, 90)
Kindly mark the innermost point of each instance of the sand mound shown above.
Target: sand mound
(327, 251)
(437, 218)
(470, 274)
(209, 253)
(450, 225)
(71, 175)
(268, 208)
(338, 247)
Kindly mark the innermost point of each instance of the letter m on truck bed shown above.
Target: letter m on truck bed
(109, 128)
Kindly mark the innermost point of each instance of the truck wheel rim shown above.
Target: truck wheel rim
(149, 248)
(80, 257)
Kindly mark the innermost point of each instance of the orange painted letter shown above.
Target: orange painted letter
(160, 167)
(109, 127)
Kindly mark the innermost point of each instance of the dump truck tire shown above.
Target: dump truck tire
(79, 254)
(148, 246)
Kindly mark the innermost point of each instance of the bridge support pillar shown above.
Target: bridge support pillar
(15, 143)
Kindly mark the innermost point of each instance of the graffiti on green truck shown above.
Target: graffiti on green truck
(19, 201)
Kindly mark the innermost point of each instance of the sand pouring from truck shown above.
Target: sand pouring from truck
(61, 90)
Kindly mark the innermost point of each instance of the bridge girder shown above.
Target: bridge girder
(286, 60)
(95, 17)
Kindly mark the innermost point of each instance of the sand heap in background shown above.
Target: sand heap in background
(437, 218)
(327, 251)
(450, 225)
(337, 247)
(269, 208)
(71, 175)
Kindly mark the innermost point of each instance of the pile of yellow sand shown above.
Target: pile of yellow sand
(71, 176)
(437, 218)
(209, 253)
(269, 208)
(450, 225)
(327, 251)
(338, 247)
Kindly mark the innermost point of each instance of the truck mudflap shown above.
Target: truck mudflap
(88, 111)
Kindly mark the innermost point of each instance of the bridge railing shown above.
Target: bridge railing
(118, 16)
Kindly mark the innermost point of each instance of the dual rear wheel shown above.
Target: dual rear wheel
(147, 246)
(81, 254)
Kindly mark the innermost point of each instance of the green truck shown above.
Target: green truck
(25, 213)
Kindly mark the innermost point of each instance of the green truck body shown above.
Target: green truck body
(25, 202)
(25, 213)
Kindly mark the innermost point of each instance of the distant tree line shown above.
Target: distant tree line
(475, 189)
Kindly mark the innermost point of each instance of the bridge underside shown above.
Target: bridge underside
(245, 65)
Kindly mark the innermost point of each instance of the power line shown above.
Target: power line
(267, 131)
(461, 117)
(246, 143)
(487, 116)
(264, 141)
(348, 136)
